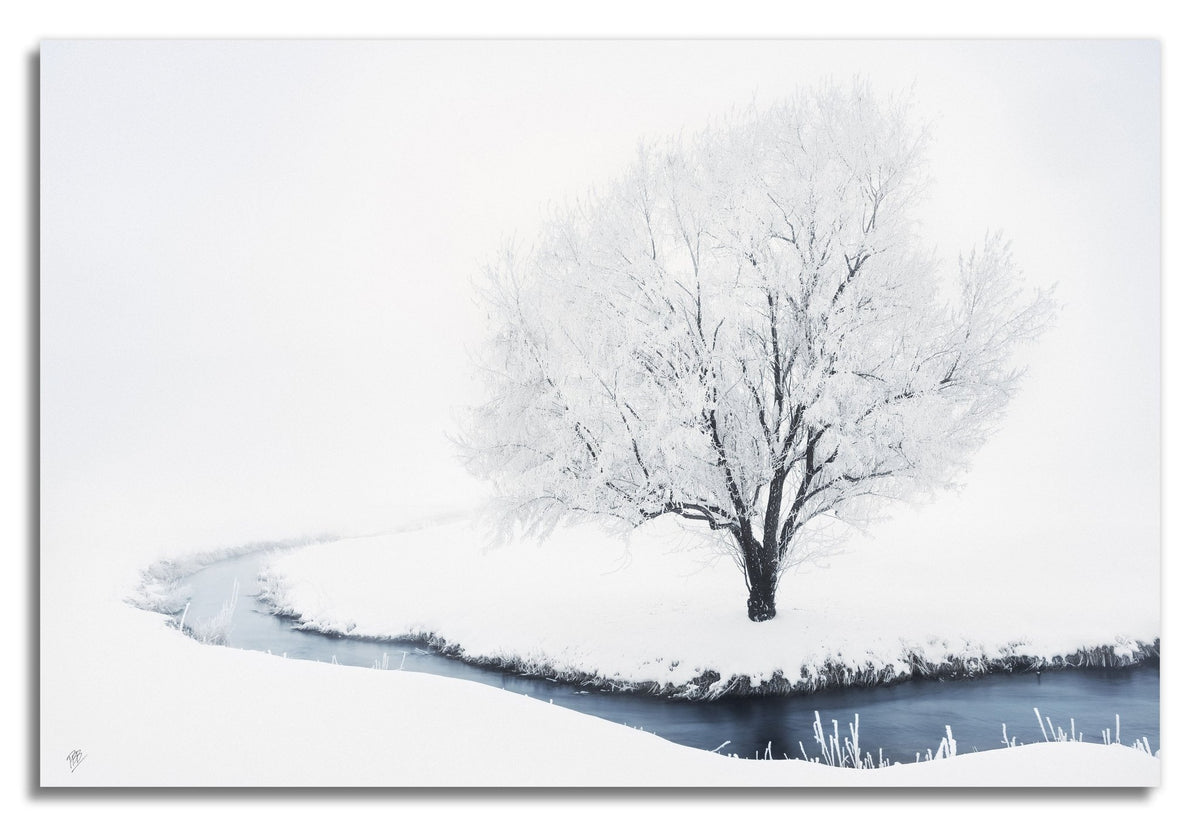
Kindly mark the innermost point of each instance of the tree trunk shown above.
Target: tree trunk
(761, 575)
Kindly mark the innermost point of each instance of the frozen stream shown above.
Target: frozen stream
(902, 720)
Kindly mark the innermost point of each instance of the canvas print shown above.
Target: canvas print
(599, 413)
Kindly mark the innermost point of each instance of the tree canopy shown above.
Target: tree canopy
(747, 330)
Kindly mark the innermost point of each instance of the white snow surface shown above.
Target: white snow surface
(168, 711)
(150, 707)
(659, 606)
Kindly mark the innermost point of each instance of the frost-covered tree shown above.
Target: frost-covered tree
(746, 330)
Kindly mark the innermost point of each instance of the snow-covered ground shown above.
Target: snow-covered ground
(150, 707)
(659, 609)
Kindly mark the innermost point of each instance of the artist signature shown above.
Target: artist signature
(75, 758)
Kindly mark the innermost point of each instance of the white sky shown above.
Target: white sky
(256, 262)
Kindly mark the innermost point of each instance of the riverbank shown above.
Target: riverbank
(147, 706)
(656, 613)
(214, 716)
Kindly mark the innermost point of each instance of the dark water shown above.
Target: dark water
(902, 720)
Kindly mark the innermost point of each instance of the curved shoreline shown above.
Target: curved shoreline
(163, 578)
(710, 685)
(158, 590)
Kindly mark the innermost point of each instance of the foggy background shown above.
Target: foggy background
(257, 262)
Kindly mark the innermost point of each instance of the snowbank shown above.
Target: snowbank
(148, 706)
(657, 613)
(212, 716)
